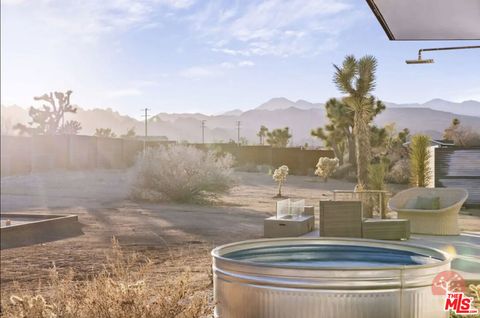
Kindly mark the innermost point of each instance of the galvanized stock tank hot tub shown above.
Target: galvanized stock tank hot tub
(326, 277)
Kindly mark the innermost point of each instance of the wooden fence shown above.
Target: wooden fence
(23, 155)
(459, 167)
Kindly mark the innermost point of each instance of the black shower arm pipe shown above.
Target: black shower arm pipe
(447, 48)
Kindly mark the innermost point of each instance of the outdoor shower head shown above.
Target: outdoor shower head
(419, 60)
(429, 61)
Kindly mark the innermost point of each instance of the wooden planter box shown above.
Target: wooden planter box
(390, 229)
(341, 218)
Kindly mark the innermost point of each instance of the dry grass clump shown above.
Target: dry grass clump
(182, 174)
(473, 291)
(123, 289)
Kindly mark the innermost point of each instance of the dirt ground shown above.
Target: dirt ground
(168, 234)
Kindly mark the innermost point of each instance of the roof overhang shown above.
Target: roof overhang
(428, 19)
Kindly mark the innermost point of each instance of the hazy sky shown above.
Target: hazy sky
(211, 56)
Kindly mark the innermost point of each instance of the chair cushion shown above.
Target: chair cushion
(428, 203)
(411, 203)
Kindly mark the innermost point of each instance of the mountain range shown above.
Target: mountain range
(300, 116)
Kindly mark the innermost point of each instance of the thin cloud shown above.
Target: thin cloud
(227, 65)
(246, 63)
(87, 20)
(198, 72)
(274, 27)
(128, 92)
(214, 70)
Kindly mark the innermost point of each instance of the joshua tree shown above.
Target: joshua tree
(49, 119)
(461, 136)
(450, 132)
(280, 176)
(420, 172)
(71, 127)
(130, 133)
(356, 79)
(341, 120)
(104, 132)
(262, 133)
(333, 138)
(279, 137)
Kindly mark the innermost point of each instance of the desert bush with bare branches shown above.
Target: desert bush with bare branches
(182, 174)
(123, 289)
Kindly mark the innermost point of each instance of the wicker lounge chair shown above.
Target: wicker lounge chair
(443, 221)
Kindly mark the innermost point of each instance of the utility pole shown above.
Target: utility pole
(238, 132)
(146, 130)
(203, 131)
(63, 119)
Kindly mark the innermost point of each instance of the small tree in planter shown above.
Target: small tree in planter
(420, 172)
(326, 167)
(280, 176)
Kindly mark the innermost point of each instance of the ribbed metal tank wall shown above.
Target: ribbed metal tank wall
(252, 290)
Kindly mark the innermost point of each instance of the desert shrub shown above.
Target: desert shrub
(326, 167)
(182, 174)
(461, 136)
(466, 137)
(376, 176)
(400, 172)
(123, 289)
(280, 176)
(420, 172)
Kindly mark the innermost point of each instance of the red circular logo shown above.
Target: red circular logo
(448, 281)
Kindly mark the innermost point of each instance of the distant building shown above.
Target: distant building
(437, 143)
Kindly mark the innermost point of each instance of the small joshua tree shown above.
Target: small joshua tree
(326, 167)
(104, 132)
(71, 127)
(130, 133)
(262, 133)
(280, 176)
(279, 137)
